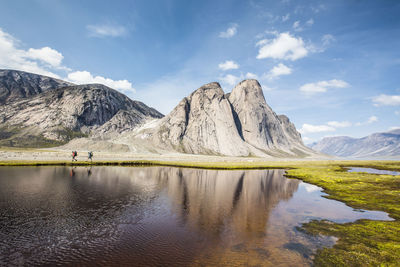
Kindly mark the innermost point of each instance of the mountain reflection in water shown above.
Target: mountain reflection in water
(160, 216)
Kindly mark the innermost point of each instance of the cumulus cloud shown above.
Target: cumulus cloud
(386, 100)
(228, 65)
(250, 75)
(106, 30)
(308, 128)
(37, 61)
(47, 55)
(322, 86)
(44, 61)
(310, 22)
(229, 79)
(230, 32)
(83, 77)
(279, 70)
(284, 46)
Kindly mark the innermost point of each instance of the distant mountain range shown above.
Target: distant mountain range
(386, 144)
(39, 111)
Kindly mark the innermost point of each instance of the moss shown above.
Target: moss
(362, 243)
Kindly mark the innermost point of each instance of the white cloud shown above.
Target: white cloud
(279, 70)
(339, 124)
(310, 22)
(250, 75)
(47, 55)
(397, 112)
(370, 120)
(394, 128)
(286, 17)
(284, 46)
(228, 65)
(45, 60)
(308, 128)
(322, 86)
(262, 42)
(386, 100)
(230, 32)
(32, 60)
(83, 77)
(230, 79)
(106, 30)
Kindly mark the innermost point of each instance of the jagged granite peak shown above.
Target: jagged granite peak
(258, 124)
(65, 113)
(241, 123)
(201, 123)
(16, 84)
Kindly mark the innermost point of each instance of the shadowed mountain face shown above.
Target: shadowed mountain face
(237, 124)
(41, 116)
(386, 144)
(16, 85)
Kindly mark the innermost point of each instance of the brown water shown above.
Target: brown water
(160, 216)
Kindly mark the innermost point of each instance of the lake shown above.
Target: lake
(152, 216)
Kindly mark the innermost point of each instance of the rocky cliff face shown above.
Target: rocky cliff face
(202, 123)
(236, 124)
(50, 116)
(257, 122)
(385, 144)
(16, 85)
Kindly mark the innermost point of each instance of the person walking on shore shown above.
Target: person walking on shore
(74, 155)
(90, 156)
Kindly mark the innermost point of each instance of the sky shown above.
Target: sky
(333, 67)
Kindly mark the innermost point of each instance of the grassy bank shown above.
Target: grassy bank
(362, 243)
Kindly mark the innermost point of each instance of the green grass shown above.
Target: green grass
(361, 243)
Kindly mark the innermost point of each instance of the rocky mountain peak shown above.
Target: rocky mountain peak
(237, 124)
(16, 85)
(249, 87)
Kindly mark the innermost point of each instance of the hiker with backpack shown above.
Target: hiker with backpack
(74, 155)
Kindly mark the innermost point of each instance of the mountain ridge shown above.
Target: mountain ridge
(383, 144)
(207, 121)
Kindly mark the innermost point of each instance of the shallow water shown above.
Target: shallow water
(371, 170)
(160, 216)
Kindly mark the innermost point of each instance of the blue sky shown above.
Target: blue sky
(331, 66)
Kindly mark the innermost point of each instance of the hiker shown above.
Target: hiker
(74, 155)
(90, 156)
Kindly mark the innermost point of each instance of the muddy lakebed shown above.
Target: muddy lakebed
(161, 216)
